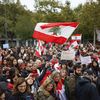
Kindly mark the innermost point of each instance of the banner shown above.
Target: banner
(85, 60)
(67, 55)
(6, 46)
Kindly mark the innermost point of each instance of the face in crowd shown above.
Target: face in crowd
(21, 86)
(57, 77)
(49, 87)
(77, 70)
(63, 73)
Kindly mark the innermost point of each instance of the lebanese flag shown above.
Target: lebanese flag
(76, 37)
(73, 44)
(60, 91)
(39, 49)
(54, 32)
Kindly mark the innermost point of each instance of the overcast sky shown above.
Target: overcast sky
(29, 3)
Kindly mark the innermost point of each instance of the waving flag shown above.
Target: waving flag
(54, 32)
(76, 37)
(73, 44)
(39, 49)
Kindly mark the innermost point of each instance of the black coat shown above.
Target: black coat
(20, 96)
(85, 90)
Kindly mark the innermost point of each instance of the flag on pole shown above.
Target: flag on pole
(39, 48)
(76, 37)
(54, 32)
(73, 45)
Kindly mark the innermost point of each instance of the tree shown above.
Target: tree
(87, 16)
(24, 27)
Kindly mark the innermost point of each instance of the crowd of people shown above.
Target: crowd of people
(24, 76)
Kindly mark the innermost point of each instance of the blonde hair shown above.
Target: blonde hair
(54, 74)
(47, 82)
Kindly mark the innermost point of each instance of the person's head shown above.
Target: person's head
(34, 66)
(38, 62)
(95, 64)
(21, 86)
(30, 79)
(55, 76)
(15, 62)
(63, 73)
(15, 77)
(48, 84)
(77, 69)
(88, 74)
(4, 61)
(13, 74)
(2, 94)
(64, 66)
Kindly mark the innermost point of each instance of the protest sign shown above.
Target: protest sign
(6, 46)
(85, 60)
(67, 55)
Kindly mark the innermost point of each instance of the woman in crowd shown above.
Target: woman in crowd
(46, 91)
(21, 90)
(95, 68)
(64, 80)
(60, 91)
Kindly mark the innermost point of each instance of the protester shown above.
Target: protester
(46, 90)
(85, 89)
(21, 90)
(73, 80)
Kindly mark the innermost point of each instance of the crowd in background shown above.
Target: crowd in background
(24, 76)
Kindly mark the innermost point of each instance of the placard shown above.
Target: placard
(85, 60)
(67, 55)
(6, 46)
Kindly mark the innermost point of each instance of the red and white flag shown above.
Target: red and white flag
(39, 49)
(73, 44)
(54, 32)
(60, 91)
(76, 37)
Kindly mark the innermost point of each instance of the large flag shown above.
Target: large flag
(76, 37)
(54, 32)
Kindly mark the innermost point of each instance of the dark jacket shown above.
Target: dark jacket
(85, 90)
(66, 88)
(71, 86)
(20, 96)
(98, 84)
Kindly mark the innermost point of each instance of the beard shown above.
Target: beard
(77, 74)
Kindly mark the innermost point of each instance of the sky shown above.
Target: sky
(30, 3)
